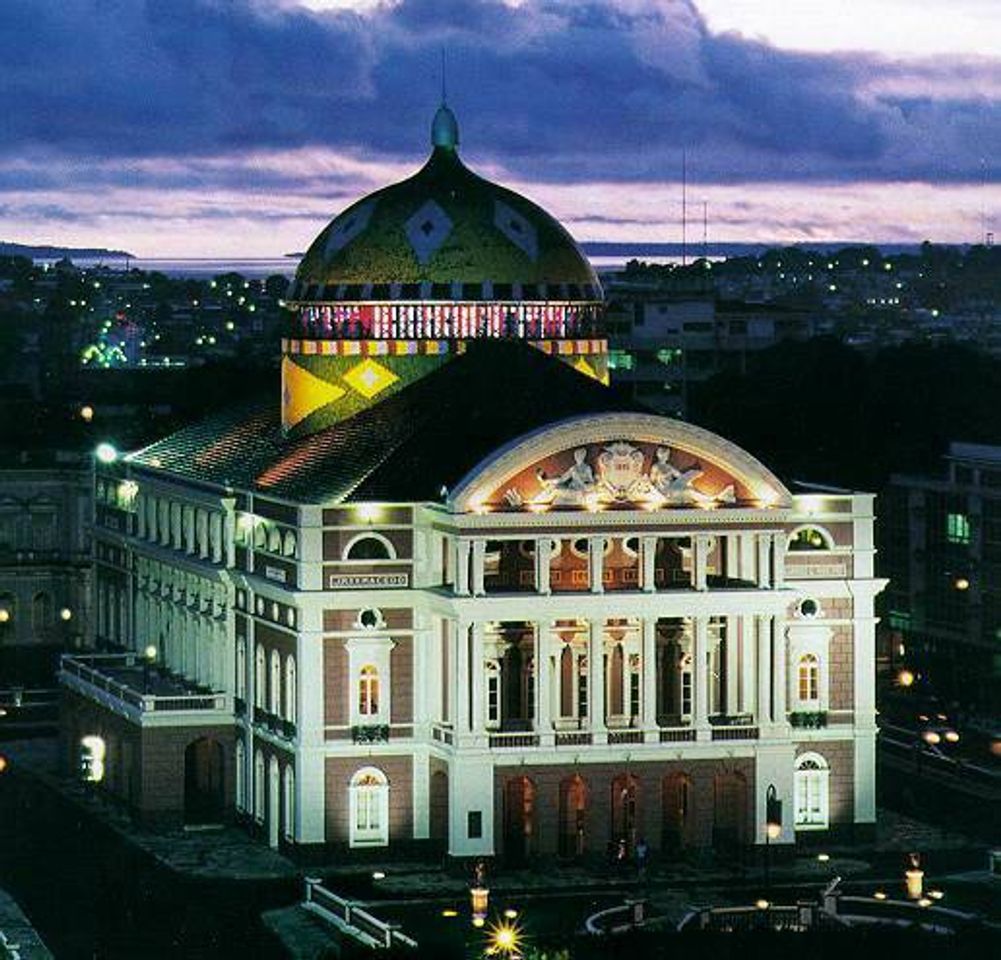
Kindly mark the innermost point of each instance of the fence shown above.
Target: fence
(352, 919)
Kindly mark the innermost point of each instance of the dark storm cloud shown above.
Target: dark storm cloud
(561, 90)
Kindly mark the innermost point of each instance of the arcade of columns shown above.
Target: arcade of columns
(673, 668)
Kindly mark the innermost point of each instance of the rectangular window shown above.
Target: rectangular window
(957, 528)
(581, 687)
(474, 824)
(686, 692)
(634, 694)
(493, 698)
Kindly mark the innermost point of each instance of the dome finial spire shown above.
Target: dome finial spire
(444, 127)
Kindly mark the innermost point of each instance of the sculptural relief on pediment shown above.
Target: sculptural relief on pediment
(619, 474)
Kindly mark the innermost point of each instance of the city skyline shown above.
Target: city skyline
(240, 129)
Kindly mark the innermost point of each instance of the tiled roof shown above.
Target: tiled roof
(403, 449)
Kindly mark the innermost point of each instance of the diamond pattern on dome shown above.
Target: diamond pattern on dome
(370, 378)
(346, 228)
(517, 229)
(427, 230)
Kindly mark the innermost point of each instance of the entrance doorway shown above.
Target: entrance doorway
(204, 788)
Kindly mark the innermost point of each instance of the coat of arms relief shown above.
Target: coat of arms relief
(616, 475)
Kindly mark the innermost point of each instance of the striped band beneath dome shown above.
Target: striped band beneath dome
(304, 291)
(427, 348)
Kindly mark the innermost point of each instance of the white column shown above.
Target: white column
(543, 683)
(648, 661)
(648, 561)
(460, 686)
(779, 669)
(229, 534)
(477, 675)
(764, 556)
(764, 661)
(731, 547)
(732, 703)
(596, 680)
(700, 556)
(462, 567)
(779, 559)
(700, 677)
(746, 543)
(309, 761)
(596, 563)
(747, 685)
(543, 559)
(479, 557)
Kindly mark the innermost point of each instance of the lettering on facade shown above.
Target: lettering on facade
(365, 581)
(275, 573)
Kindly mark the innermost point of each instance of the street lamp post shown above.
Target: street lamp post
(149, 657)
(773, 828)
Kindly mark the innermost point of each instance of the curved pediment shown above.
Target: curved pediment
(618, 461)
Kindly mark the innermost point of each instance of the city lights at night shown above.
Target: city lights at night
(500, 479)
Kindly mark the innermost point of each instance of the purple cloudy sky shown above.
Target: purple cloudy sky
(238, 127)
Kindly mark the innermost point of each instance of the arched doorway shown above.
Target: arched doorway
(204, 789)
(677, 818)
(729, 812)
(438, 805)
(624, 809)
(519, 817)
(573, 817)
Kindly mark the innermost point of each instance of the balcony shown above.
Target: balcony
(144, 694)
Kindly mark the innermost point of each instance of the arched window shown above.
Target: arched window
(288, 806)
(288, 544)
(260, 535)
(370, 546)
(240, 760)
(259, 677)
(810, 787)
(259, 787)
(92, 755)
(241, 668)
(808, 678)
(275, 691)
(810, 538)
(274, 540)
(369, 808)
(290, 689)
(368, 691)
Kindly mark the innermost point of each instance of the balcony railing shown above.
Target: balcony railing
(125, 679)
(502, 740)
(370, 733)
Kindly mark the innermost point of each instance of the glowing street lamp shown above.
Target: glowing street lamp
(505, 941)
(106, 453)
(65, 614)
(914, 877)
(149, 658)
(905, 678)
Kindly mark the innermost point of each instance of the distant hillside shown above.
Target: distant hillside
(8, 249)
(614, 248)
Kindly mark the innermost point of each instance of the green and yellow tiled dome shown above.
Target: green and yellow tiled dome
(444, 234)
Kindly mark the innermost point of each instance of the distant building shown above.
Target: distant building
(45, 561)
(451, 594)
(660, 344)
(940, 547)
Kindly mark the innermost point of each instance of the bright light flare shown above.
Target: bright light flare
(106, 453)
(505, 940)
(905, 678)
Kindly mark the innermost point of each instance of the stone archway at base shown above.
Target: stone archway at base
(204, 786)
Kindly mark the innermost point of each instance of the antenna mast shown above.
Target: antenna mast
(684, 207)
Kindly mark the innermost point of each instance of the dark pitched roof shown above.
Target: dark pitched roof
(402, 450)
